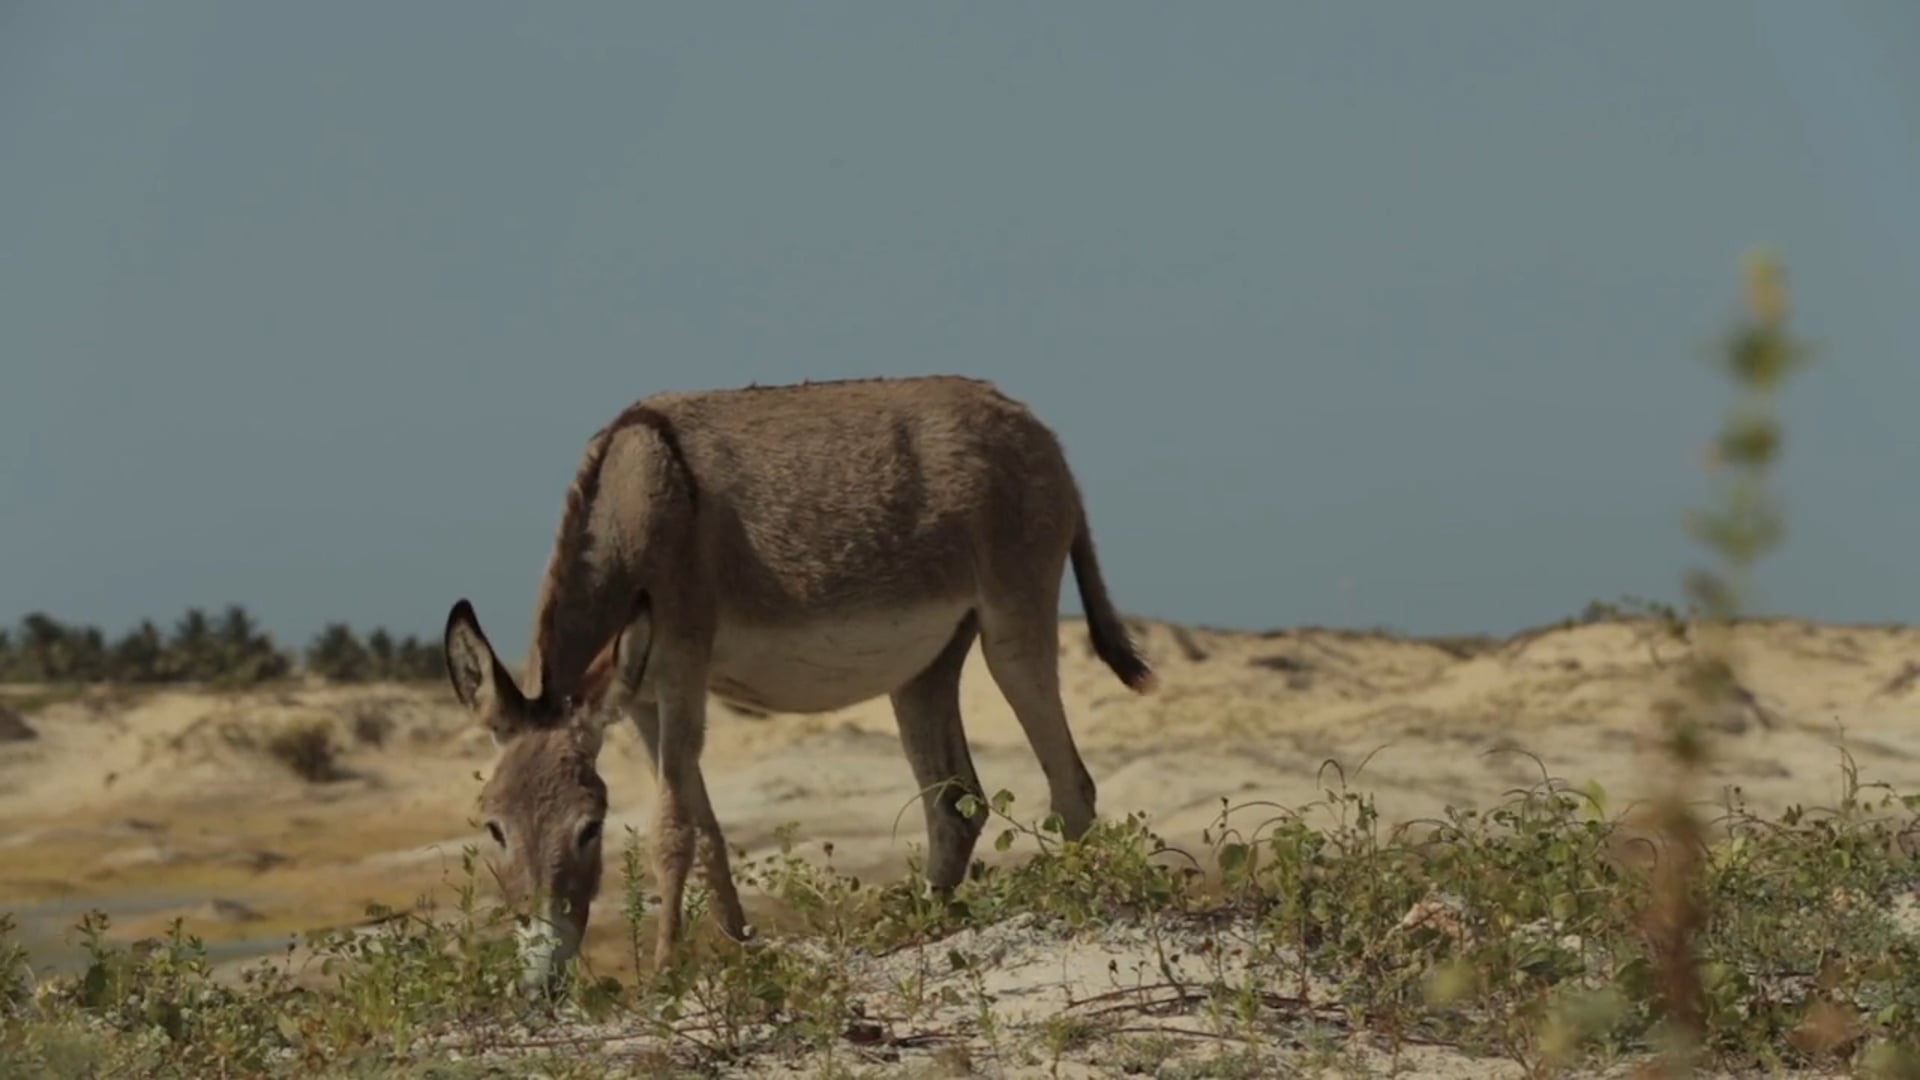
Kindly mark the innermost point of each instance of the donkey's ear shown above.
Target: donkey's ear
(480, 681)
(613, 677)
(607, 676)
(635, 644)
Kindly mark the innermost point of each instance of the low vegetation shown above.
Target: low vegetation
(1513, 935)
(1554, 932)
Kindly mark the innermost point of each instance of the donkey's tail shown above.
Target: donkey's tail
(1110, 641)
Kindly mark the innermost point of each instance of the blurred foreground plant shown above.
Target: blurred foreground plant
(1758, 356)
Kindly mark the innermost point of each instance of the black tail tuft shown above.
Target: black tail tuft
(1110, 640)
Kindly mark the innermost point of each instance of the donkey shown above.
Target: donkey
(799, 549)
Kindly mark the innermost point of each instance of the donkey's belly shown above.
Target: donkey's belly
(832, 660)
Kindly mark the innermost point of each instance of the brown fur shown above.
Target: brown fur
(796, 549)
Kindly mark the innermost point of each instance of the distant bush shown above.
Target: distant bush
(372, 727)
(230, 650)
(308, 750)
(14, 727)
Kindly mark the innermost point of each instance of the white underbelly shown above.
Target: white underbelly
(832, 661)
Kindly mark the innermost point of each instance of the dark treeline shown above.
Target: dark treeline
(229, 650)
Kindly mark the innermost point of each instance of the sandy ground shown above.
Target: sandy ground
(163, 804)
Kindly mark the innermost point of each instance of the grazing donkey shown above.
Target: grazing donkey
(794, 549)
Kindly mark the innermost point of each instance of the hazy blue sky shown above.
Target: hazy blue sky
(1350, 313)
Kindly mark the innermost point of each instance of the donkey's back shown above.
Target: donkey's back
(825, 496)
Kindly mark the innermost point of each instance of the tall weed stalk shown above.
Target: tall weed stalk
(1758, 356)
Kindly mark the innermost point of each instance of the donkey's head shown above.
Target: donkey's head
(544, 805)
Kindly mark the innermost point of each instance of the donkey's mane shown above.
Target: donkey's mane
(571, 541)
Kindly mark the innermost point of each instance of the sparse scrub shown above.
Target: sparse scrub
(372, 726)
(15, 975)
(14, 727)
(308, 749)
(1554, 931)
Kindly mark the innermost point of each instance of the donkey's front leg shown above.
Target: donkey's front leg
(676, 773)
(683, 818)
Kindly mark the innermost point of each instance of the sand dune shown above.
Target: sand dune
(167, 801)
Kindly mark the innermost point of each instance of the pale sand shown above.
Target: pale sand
(163, 800)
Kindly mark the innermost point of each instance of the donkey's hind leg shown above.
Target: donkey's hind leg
(1021, 642)
(927, 710)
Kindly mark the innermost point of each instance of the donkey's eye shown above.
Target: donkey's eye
(589, 833)
(499, 835)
